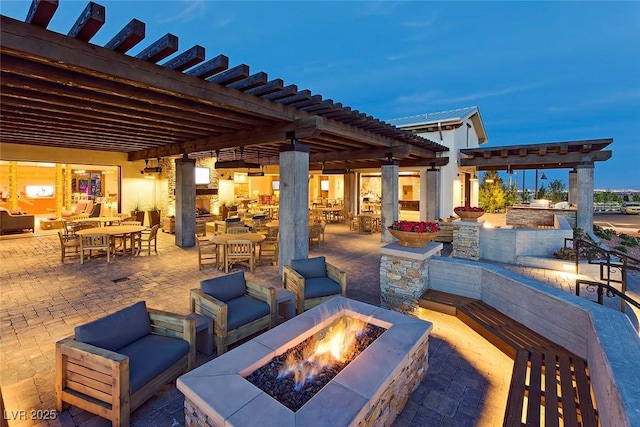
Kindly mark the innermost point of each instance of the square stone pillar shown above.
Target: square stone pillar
(293, 212)
(573, 188)
(389, 198)
(466, 240)
(584, 219)
(185, 202)
(404, 275)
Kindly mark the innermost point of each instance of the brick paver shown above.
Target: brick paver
(42, 300)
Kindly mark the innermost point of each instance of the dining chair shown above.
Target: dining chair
(96, 242)
(365, 224)
(147, 237)
(66, 244)
(237, 230)
(268, 250)
(315, 233)
(208, 253)
(239, 252)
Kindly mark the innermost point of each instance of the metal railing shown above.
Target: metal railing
(610, 262)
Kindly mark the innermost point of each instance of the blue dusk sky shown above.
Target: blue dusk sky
(538, 71)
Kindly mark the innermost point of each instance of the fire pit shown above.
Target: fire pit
(372, 389)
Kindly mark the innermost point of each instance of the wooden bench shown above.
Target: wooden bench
(562, 397)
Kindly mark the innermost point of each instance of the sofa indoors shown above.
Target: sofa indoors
(114, 364)
(12, 223)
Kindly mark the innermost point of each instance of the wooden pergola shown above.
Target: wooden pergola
(551, 155)
(62, 91)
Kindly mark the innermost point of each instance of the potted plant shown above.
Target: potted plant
(468, 213)
(137, 210)
(414, 234)
(155, 212)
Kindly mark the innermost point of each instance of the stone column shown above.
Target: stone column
(573, 188)
(466, 240)
(68, 190)
(185, 202)
(293, 212)
(389, 198)
(584, 200)
(404, 275)
(350, 191)
(13, 186)
(433, 194)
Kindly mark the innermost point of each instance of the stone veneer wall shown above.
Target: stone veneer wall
(403, 275)
(466, 240)
(526, 217)
(382, 412)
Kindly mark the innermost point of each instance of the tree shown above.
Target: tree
(492, 192)
(557, 191)
(606, 197)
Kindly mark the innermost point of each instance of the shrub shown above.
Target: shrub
(603, 233)
(622, 249)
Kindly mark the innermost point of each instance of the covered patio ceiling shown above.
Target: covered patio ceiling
(62, 91)
(552, 155)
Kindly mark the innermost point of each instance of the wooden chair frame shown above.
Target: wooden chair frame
(209, 306)
(97, 380)
(100, 242)
(207, 252)
(233, 254)
(294, 282)
(67, 243)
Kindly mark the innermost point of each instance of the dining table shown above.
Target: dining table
(126, 231)
(99, 220)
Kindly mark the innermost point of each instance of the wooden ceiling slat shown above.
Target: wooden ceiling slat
(302, 95)
(314, 100)
(232, 75)
(129, 95)
(209, 68)
(269, 87)
(89, 22)
(253, 81)
(325, 105)
(32, 121)
(285, 92)
(41, 12)
(186, 59)
(132, 34)
(119, 113)
(160, 49)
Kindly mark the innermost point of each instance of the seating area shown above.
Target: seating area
(13, 223)
(114, 364)
(313, 281)
(239, 308)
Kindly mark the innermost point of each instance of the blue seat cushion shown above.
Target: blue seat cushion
(117, 329)
(310, 267)
(321, 287)
(245, 309)
(232, 220)
(150, 356)
(225, 288)
(259, 217)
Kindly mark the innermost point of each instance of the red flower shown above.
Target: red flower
(468, 209)
(416, 226)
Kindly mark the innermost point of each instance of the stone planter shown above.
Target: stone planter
(412, 240)
(469, 215)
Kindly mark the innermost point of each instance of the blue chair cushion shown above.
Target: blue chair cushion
(150, 356)
(321, 287)
(228, 220)
(117, 329)
(225, 288)
(310, 268)
(259, 217)
(245, 309)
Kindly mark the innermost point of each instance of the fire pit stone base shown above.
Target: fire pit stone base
(371, 391)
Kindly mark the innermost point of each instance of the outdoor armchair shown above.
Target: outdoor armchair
(239, 308)
(313, 281)
(114, 364)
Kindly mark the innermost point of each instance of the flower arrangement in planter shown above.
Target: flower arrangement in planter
(414, 234)
(416, 226)
(468, 213)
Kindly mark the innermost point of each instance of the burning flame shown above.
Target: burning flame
(336, 345)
